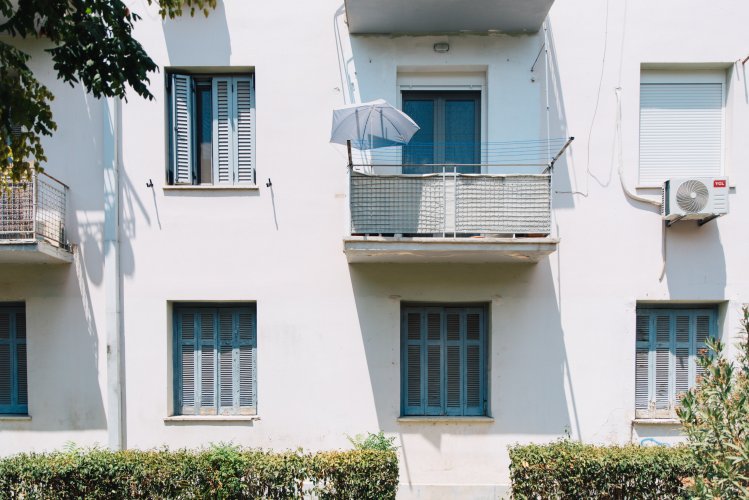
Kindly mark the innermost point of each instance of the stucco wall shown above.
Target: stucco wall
(562, 331)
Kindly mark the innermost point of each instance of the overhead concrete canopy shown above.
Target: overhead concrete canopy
(445, 16)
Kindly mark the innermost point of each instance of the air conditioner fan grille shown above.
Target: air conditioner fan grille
(692, 196)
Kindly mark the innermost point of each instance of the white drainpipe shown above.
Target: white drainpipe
(111, 133)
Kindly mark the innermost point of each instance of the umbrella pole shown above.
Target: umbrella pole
(350, 158)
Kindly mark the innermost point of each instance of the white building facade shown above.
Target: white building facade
(219, 273)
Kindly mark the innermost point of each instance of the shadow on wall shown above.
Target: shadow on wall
(199, 40)
(527, 352)
(695, 262)
(63, 346)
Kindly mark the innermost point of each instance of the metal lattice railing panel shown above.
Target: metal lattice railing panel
(503, 204)
(454, 204)
(397, 204)
(34, 210)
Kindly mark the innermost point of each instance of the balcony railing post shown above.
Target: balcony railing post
(455, 201)
(444, 202)
(34, 203)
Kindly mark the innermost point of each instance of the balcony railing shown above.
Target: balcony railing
(451, 204)
(391, 196)
(34, 211)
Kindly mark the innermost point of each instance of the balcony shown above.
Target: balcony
(453, 216)
(418, 17)
(32, 222)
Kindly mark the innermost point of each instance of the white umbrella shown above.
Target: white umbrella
(371, 125)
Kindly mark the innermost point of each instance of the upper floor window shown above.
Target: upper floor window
(449, 131)
(215, 359)
(13, 390)
(668, 344)
(681, 125)
(443, 361)
(212, 129)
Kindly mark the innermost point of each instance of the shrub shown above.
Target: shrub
(715, 415)
(220, 472)
(567, 469)
(373, 442)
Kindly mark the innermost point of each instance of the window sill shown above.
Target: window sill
(15, 418)
(208, 187)
(656, 421)
(211, 418)
(445, 420)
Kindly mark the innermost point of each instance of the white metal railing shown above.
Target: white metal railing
(450, 204)
(34, 210)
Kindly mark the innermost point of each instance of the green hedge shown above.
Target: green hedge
(219, 472)
(572, 470)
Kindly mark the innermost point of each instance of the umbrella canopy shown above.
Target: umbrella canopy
(371, 125)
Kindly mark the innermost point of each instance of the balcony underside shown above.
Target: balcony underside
(361, 249)
(33, 252)
(445, 16)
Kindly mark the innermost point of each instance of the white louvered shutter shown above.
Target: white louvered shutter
(681, 131)
(244, 138)
(223, 131)
(182, 129)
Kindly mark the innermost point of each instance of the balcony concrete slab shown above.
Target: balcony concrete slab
(363, 250)
(33, 252)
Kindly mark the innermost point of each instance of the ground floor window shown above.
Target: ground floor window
(443, 360)
(14, 397)
(668, 345)
(215, 351)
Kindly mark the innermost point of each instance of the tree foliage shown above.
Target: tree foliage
(90, 43)
(715, 416)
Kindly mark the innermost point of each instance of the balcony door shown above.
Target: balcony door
(450, 132)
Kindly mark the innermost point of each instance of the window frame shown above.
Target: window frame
(444, 309)
(216, 410)
(242, 165)
(652, 345)
(14, 310)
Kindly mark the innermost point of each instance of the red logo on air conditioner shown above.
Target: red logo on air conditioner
(720, 183)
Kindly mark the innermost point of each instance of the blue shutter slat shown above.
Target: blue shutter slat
(224, 120)
(244, 130)
(245, 383)
(474, 363)
(182, 129)
(413, 326)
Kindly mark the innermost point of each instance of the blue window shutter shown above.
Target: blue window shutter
(187, 377)
(454, 357)
(208, 361)
(475, 363)
(683, 325)
(13, 385)
(643, 383)
(224, 122)
(244, 128)
(226, 362)
(182, 129)
(245, 348)
(433, 373)
(705, 327)
(413, 326)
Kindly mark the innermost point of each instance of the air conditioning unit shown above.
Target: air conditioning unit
(698, 198)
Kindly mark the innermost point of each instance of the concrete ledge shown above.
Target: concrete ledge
(210, 419)
(452, 491)
(15, 418)
(377, 249)
(33, 252)
(446, 420)
(207, 187)
(656, 421)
